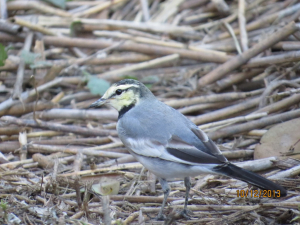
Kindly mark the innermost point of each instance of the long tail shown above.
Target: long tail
(249, 177)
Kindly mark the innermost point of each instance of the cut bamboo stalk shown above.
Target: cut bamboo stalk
(231, 96)
(78, 114)
(239, 60)
(226, 112)
(293, 56)
(294, 171)
(58, 127)
(242, 25)
(47, 149)
(98, 8)
(135, 47)
(119, 73)
(152, 27)
(262, 22)
(240, 128)
(32, 26)
(234, 120)
(37, 5)
(10, 102)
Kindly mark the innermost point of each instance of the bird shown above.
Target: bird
(167, 143)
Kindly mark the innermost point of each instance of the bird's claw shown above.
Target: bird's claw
(160, 217)
(185, 214)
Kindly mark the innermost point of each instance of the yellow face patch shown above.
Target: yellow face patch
(126, 98)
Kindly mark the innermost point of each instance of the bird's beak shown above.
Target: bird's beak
(98, 103)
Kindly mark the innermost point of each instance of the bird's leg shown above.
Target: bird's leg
(187, 184)
(166, 189)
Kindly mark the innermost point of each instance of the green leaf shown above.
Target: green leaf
(130, 77)
(3, 205)
(59, 3)
(97, 86)
(86, 75)
(75, 28)
(297, 218)
(28, 57)
(149, 86)
(3, 55)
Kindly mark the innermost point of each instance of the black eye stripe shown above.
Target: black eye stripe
(119, 91)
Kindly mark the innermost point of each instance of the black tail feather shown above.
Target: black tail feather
(249, 177)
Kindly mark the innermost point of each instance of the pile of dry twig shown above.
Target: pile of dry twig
(232, 67)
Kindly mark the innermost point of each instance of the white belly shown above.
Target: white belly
(167, 169)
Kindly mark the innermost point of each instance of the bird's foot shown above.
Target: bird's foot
(160, 217)
(177, 216)
(185, 214)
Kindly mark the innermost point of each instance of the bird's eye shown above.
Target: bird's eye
(119, 91)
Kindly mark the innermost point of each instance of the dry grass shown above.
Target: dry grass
(231, 67)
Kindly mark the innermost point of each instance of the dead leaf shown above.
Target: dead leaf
(282, 139)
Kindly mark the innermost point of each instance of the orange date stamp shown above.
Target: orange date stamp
(258, 193)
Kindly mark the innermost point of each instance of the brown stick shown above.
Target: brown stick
(242, 25)
(192, 4)
(43, 161)
(10, 38)
(25, 95)
(280, 105)
(273, 86)
(10, 146)
(21, 109)
(58, 127)
(35, 148)
(21, 68)
(262, 22)
(240, 128)
(294, 171)
(238, 154)
(225, 112)
(274, 59)
(227, 207)
(239, 60)
(203, 106)
(225, 97)
(119, 73)
(97, 8)
(235, 79)
(109, 60)
(38, 5)
(78, 114)
(288, 45)
(32, 26)
(10, 28)
(135, 47)
(234, 217)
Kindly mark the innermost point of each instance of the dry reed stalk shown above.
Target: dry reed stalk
(119, 73)
(57, 127)
(241, 128)
(31, 26)
(78, 114)
(211, 98)
(123, 37)
(226, 112)
(135, 47)
(37, 5)
(239, 60)
(25, 95)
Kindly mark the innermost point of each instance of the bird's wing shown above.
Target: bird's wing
(175, 150)
(209, 144)
(192, 155)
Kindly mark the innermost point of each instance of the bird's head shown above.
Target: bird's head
(123, 94)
